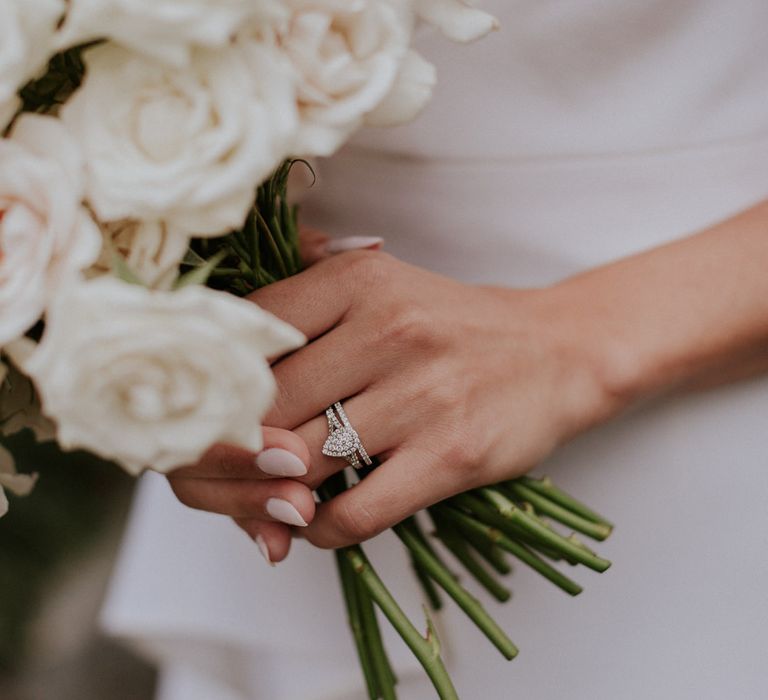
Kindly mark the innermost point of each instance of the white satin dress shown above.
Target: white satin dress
(583, 131)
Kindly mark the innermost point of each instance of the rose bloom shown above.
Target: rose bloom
(153, 379)
(411, 92)
(186, 146)
(459, 20)
(164, 29)
(46, 235)
(346, 57)
(26, 43)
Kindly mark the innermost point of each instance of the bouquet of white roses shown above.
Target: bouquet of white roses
(143, 173)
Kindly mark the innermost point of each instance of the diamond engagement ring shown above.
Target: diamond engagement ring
(343, 440)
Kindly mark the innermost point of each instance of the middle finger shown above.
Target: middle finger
(284, 455)
(334, 366)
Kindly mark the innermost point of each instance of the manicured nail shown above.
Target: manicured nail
(278, 462)
(341, 245)
(264, 549)
(285, 512)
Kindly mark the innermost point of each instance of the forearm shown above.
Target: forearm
(689, 313)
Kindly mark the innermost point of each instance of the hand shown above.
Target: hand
(456, 386)
(452, 386)
(258, 491)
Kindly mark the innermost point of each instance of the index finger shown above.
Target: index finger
(284, 456)
(315, 300)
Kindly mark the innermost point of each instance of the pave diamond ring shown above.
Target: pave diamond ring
(343, 440)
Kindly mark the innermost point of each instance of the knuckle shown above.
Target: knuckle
(252, 500)
(445, 397)
(409, 325)
(452, 452)
(367, 265)
(463, 460)
(220, 459)
(355, 522)
(442, 394)
(227, 469)
(456, 453)
(279, 412)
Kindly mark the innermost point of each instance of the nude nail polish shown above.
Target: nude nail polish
(262, 545)
(285, 512)
(341, 245)
(278, 462)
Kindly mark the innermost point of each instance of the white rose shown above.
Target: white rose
(46, 235)
(186, 146)
(165, 29)
(151, 250)
(153, 379)
(459, 20)
(26, 43)
(346, 54)
(409, 95)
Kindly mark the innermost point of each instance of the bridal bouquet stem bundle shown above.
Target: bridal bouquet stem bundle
(144, 167)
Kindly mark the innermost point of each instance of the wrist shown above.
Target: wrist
(608, 370)
(692, 313)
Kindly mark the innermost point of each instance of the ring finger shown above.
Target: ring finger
(379, 421)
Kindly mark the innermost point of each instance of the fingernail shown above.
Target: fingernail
(340, 245)
(285, 512)
(264, 549)
(279, 462)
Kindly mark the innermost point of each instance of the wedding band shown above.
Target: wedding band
(343, 440)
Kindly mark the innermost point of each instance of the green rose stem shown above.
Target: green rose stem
(239, 248)
(426, 650)
(275, 249)
(456, 545)
(504, 512)
(376, 668)
(354, 614)
(252, 238)
(468, 603)
(384, 673)
(492, 554)
(529, 529)
(546, 488)
(528, 508)
(428, 586)
(466, 522)
(519, 492)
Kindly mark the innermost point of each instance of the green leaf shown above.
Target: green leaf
(123, 271)
(192, 258)
(200, 274)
